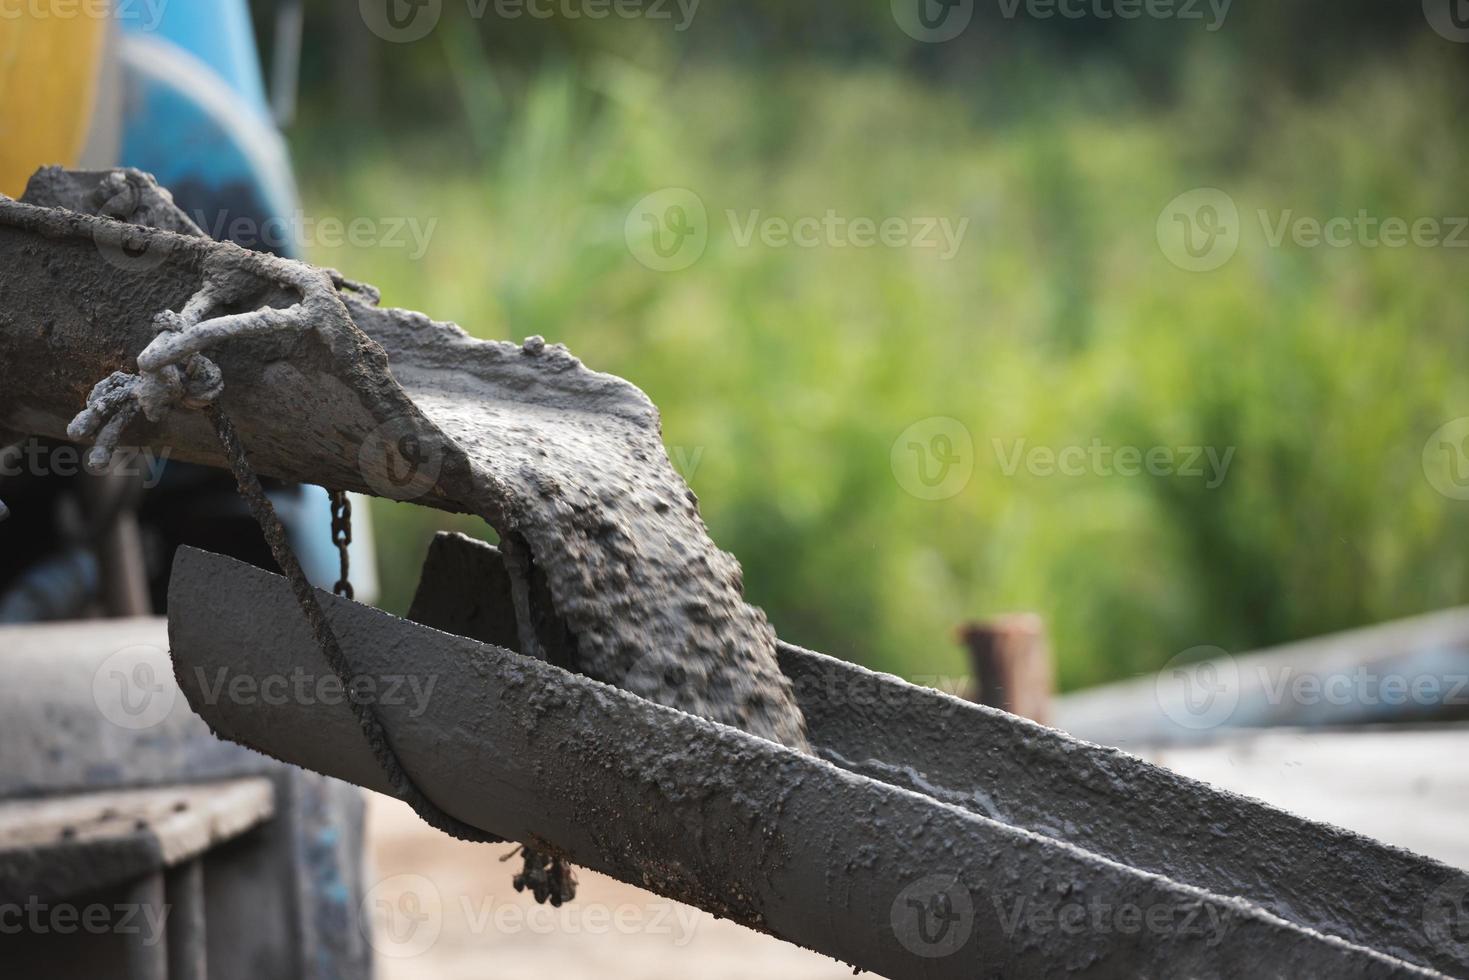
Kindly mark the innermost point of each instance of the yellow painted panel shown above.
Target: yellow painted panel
(50, 59)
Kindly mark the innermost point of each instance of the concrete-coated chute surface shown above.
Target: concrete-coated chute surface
(616, 575)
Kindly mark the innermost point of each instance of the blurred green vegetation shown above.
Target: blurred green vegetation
(784, 375)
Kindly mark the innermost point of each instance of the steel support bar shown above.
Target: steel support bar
(927, 853)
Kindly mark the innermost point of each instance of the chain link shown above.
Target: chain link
(342, 538)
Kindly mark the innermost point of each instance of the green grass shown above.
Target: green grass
(786, 374)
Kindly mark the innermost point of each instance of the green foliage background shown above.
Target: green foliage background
(785, 375)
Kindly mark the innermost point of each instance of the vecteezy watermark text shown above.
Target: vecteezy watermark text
(1208, 463)
(329, 231)
(681, 12)
(834, 230)
(405, 21)
(146, 13)
(1202, 687)
(678, 922)
(37, 918)
(936, 21)
(668, 230)
(300, 687)
(861, 690)
(1093, 916)
(403, 916)
(1201, 229)
(1364, 230)
(36, 458)
(1212, 12)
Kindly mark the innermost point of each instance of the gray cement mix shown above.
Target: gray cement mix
(601, 534)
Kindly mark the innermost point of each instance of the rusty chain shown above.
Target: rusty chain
(342, 538)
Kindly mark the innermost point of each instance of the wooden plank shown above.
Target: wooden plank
(67, 845)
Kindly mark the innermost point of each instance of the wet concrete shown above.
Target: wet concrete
(851, 863)
(1121, 808)
(1026, 775)
(566, 464)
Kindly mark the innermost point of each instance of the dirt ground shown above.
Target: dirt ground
(442, 909)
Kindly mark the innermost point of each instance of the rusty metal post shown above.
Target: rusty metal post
(1011, 659)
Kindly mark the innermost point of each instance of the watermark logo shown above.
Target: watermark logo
(668, 230)
(658, 677)
(123, 245)
(1446, 916)
(933, 21)
(1448, 18)
(686, 460)
(401, 459)
(133, 688)
(402, 916)
(933, 459)
(401, 21)
(933, 917)
(1199, 230)
(1199, 688)
(1446, 459)
(134, 249)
